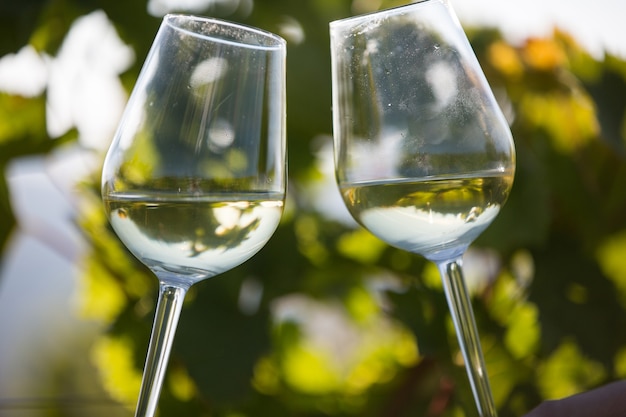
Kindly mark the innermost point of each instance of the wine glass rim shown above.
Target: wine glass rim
(389, 11)
(266, 41)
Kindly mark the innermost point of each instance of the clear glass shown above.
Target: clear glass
(194, 181)
(424, 158)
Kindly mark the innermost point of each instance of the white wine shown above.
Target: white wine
(429, 215)
(194, 236)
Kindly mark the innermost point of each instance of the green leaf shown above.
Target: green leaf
(567, 371)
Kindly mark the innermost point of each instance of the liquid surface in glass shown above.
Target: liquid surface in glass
(196, 236)
(429, 215)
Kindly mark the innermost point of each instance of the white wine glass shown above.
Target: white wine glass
(424, 157)
(194, 181)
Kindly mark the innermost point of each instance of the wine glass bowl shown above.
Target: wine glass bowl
(415, 117)
(194, 181)
(424, 157)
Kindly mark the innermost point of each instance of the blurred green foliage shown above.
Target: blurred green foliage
(345, 325)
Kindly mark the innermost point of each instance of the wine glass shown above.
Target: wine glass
(194, 181)
(424, 158)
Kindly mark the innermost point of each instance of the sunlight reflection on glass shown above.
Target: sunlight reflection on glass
(208, 71)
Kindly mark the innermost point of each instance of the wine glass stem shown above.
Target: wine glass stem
(168, 309)
(467, 334)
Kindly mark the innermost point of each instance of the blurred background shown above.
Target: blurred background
(326, 320)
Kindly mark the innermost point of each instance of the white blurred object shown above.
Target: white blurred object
(162, 7)
(322, 193)
(84, 90)
(24, 73)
